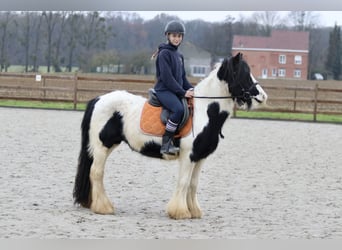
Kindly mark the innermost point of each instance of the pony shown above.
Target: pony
(114, 117)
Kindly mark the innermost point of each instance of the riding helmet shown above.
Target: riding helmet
(174, 27)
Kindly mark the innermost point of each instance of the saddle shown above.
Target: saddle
(154, 117)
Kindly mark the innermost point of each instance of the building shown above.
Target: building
(284, 54)
(197, 61)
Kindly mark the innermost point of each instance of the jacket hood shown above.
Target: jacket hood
(167, 46)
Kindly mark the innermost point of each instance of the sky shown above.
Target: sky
(326, 18)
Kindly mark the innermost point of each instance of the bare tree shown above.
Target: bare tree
(35, 54)
(303, 20)
(266, 21)
(93, 37)
(27, 26)
(72, 34)
(5, 21)
(25, 41)
(58, 43)
(51, 21)
(333, 63)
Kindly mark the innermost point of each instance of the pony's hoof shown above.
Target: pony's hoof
(106, 209)
(179, 214)
(196, 214)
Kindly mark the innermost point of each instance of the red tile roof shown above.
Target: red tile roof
(279, 40)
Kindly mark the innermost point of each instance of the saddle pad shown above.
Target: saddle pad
(151, 124)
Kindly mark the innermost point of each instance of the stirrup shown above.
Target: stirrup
(169, 149)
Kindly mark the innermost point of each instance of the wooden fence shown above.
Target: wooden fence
(77, 89)
(309, 100)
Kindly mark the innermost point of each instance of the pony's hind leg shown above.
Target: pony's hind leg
(100, 203)
(191, 198)
(109, 137)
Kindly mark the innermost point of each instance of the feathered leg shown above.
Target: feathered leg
(100, 203)
(192, 201)
(177, 207)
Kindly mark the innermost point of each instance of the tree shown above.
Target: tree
(104, 59)
(28, 38)
(5, 32)
(93, 37)
(266, 20)
(140, 62)
(57, 45)
(37, 42)
(303, 20)
(25, 39)
(72, 34)
(333, 62)
(318, 47)
(51, 21)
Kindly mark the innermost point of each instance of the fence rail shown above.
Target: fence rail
(80, 88)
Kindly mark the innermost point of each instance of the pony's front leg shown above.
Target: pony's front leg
(177, 207)
(192, 201)
(99, 201)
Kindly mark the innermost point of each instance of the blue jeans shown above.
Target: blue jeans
(171, 102)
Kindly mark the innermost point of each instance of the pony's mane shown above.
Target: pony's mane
(213, 72)
(236, 73)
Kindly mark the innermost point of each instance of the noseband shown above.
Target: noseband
(246, 95)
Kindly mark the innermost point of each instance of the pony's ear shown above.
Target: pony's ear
(237, 58)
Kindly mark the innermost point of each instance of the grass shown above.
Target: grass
(39, 104)
(239, 113)
(289, 116)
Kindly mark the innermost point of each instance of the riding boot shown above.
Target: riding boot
(167, 144)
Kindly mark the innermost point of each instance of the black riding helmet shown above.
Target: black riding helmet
(174, 27)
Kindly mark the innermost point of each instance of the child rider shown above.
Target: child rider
(172, 84)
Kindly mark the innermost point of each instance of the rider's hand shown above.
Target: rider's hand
(189, 93)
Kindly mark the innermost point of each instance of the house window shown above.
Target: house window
(198, 70)
(281, 72)
(264, 73)
(274, 72)
(298, 59)
(297, 73)
(282, 59)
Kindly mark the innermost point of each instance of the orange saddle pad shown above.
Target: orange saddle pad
(151, 124)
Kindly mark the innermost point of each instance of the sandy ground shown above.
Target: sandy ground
(267, 180)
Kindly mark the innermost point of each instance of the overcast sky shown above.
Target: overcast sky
(327, 18)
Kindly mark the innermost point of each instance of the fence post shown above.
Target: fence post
(75, 90)
(44, 85)
(295, 100)
(315, 103)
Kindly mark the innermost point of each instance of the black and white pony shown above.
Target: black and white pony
(115, 117)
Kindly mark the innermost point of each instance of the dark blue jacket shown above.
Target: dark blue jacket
(170, 71)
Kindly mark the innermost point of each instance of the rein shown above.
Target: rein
(246, 95)
(213, 97)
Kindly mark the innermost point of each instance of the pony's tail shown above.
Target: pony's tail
(81, 191)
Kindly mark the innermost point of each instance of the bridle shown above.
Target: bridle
(246, 95)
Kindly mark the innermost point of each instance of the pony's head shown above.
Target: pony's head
(243, 87)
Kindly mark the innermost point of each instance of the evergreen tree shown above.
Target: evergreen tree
(333, 63)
